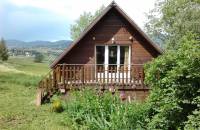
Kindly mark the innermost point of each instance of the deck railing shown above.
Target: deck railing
(100, 76)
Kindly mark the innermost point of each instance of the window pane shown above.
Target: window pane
(124, 55)
(100, 52)
(112, 57)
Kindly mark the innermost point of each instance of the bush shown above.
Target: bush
(175, 81)
(87, 110)
(3, 50)
(193, 121)
(38, 58)
(57, 104)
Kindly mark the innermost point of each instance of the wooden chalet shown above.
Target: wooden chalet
(109, 54)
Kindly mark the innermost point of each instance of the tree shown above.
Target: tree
(175, 81)
(38, 57)
(83, 21)
(170, 20)
(3, 50)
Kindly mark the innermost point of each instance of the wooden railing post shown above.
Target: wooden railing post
(82, 74)
(142, 76)
(54, 79)
(39, 97)
(63, 75)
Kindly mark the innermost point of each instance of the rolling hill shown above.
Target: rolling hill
(37, 44)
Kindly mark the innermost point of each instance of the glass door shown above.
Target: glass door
(111, 61)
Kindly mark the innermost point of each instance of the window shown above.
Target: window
(100, 57)
(112, 56)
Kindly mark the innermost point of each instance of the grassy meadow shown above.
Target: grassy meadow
(19, 77)
(81, 110)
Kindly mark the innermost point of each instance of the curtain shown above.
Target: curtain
(126, 56)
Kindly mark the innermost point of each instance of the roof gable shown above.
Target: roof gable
(86, 31)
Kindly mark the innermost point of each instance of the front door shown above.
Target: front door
(111, 59)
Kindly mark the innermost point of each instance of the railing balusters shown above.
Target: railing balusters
(85, 73)
(115, 75)
(60, 73)
(126, 72)
(111, 73)
(67, 76)
(122, 76)
(130, 76)
(108, 80)
(74, 75)
(77, 76)
(92, 72)
(119, 76)
(54, 79)
(99, 74)
(70, 75)
(82, 75)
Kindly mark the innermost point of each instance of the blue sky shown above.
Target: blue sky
(30, 20)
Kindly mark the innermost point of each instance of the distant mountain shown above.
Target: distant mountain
(37, 44)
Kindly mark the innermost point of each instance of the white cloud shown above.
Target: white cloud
(73, 8)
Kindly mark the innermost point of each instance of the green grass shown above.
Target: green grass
(17, 97)
(27, 65)
(19, 78)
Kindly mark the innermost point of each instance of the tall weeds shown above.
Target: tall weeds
(87, 109)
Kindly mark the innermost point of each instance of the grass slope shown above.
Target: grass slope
(18, 82)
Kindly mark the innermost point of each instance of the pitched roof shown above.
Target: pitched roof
(96, 20)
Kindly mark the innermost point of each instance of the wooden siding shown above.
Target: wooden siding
(111, 25)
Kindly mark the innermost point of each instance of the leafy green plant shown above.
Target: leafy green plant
(175, 81)
(87, 109)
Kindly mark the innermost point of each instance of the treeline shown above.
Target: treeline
(5, 53)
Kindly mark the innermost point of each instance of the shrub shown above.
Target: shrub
(38, 57)
(3, 50)
(193, 122)
(57, 104)
(175, 81)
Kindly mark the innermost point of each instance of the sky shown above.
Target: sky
(50, 20)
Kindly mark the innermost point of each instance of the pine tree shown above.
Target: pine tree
(3, 50)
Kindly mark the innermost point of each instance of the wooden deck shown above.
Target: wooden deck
(102, 77)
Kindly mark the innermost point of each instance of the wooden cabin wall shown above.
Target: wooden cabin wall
(112, 25)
